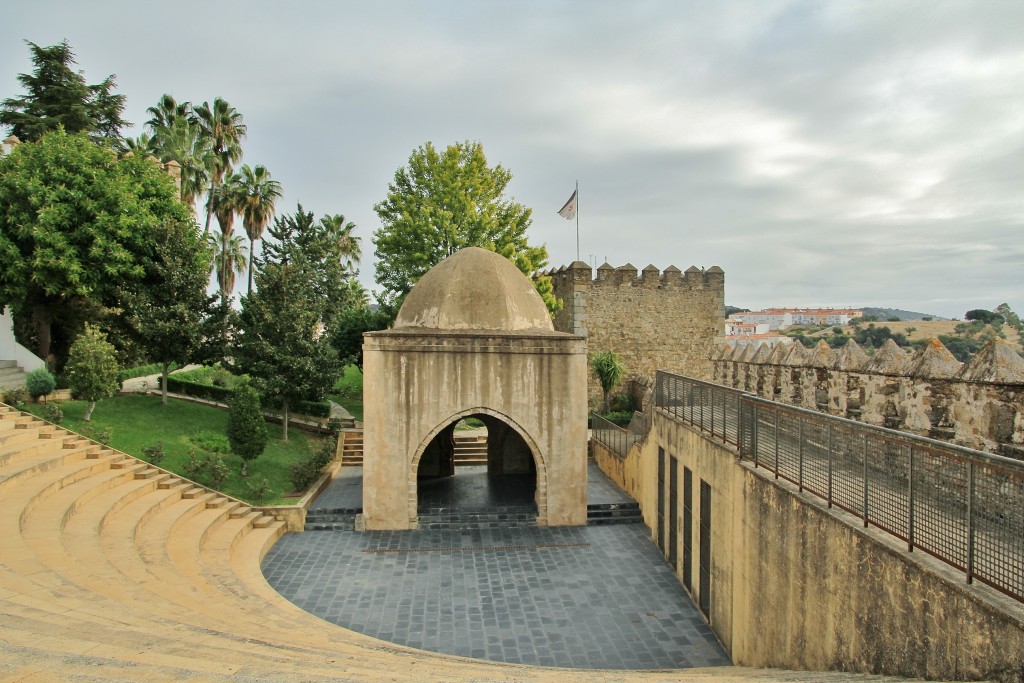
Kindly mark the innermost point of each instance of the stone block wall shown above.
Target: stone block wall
(668, 320)
(979, 405)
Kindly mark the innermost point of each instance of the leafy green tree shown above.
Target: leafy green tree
(221, 124)
(92, 368)
(609, 370)
(441, 202)
(281, 341)
(76, 226)
(247, 431)
(984, 316)
(57, 96)
(166, 315)
(1011, 318)
(347, 335)
(258, 194)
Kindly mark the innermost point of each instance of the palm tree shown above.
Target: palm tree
(222, 125)
(142, 146)
(228, 259)
(258, 194)
(183, 142)
(226, 202)
(609, 370)
(166, 112)
(356, 294)
(345, 243)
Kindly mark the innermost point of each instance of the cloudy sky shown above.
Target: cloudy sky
(822, 153)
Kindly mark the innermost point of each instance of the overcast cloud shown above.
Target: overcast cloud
(822, 153)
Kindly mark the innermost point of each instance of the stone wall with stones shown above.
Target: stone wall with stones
(929, 392)
(668, 320)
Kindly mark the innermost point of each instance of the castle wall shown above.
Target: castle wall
(654, 320)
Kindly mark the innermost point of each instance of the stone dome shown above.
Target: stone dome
(474, 289)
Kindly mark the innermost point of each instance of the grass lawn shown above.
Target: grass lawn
(348, 392)
(139, 421)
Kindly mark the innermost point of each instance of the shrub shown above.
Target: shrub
(53, 414)
(305, 472)
(216, 470)
(211, 441)
(40, 382)
(198, 390)
(102, 436)
(247, 431)
(16, 397)
(154, 454)
(194, 466)
(259, 489)
(622, 418)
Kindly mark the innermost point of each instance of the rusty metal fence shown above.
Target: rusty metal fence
(962, 506)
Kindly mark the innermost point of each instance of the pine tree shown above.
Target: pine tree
(58, 96)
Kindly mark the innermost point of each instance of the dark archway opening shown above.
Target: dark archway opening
(477, 463)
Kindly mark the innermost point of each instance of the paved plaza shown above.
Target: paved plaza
(597, 597)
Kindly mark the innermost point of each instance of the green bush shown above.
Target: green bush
(15, 397)
(216, 470)
(103, 435)
(154, 454)
(259, 489)
(40, 382)
(52, 413)
(621, 417)
(212, 442)
(181, 386)
(305, 472)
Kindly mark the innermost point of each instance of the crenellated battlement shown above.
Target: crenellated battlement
(607, 275)
(654, 319)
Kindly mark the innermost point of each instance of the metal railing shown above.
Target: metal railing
(619, 439)
(962, 506)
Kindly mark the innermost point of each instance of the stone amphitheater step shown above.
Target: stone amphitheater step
(601, 514)
(129, 573)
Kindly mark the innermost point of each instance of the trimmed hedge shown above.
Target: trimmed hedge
(182, 386)
(223, 395)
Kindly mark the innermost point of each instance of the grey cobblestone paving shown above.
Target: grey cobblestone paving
(584, 597)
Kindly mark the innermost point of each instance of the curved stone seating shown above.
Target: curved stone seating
(114, 568)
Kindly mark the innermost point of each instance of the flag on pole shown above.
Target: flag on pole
(568, 211)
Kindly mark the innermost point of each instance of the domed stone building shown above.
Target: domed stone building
(474, 339)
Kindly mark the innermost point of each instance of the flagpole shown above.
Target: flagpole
(577, 220)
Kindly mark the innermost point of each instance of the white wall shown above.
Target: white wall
(11, 349)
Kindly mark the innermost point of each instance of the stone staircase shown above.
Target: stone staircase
(505, 517)
(332, 519)
(602, 514)
(12, 376)
(470, 450)
(352, 447)
(114, 570)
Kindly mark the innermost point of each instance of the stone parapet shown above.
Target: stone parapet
(979, 404)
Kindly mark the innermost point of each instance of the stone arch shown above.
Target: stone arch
(538, 457)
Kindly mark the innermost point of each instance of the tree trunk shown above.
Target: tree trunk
(209, 206)
(88, 411)
(284, 414)
(163, 384)
(245, 468)
(606, 401)
(249, 290)
(44, 326)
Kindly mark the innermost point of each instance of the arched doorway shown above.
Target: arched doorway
(504, 473)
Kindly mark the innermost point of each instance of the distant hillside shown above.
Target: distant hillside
(886, 313)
